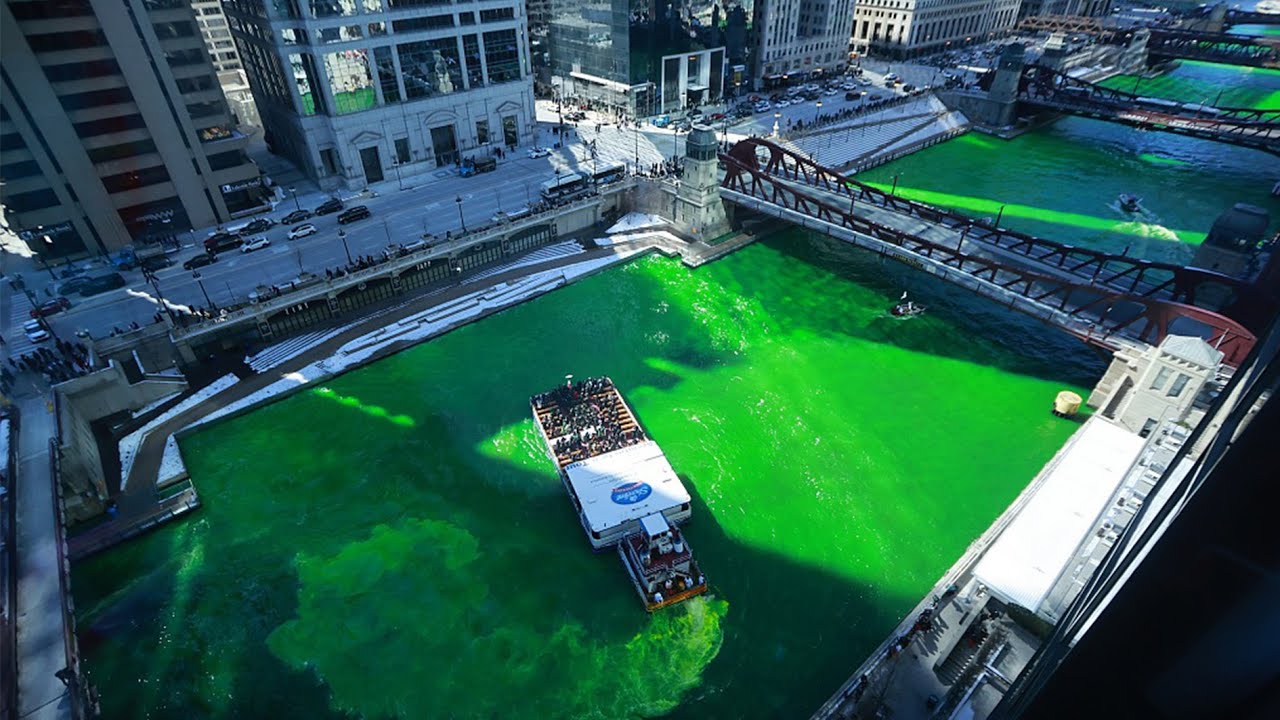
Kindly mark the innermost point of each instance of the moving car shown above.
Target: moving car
(259, 225)
(50, 307)
(415, 246)
(102, 283)
(783, 103)
(256, 243)
(302, 231)
(359, 212)
(329, 206)
(475, 166)
(763, 106)
(155, 262)
(35, 331)
(222, 241)
(73, 285)
(205, 258)
(296, 216)
(538, 152)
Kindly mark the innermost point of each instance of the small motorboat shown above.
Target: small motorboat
(1130, 203)
(907, 308)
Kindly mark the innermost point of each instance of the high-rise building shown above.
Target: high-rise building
(226, 61)
(359, 91)
(637, 58)
(112, 126)
(899, 29)
(801, 38)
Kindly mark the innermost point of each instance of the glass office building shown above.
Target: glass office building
(637, 57)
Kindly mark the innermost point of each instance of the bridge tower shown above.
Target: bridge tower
(1004, 86)
(699, 210)
(1232, 243)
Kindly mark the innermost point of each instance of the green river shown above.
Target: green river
(394, 542)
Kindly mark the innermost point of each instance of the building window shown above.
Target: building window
(426, 22)
(345, 33)
(134, 179)
(179, 58)
(104, 126)
(293, 36)
(1178, 384)
(387, 74)
(20, 169)
(96, 98)
(471, 54)
(467, 18)
(377, 28)
(1147, 427)
(430, 67)
(231, 158)
(204, 109)
(1161, 377)
(329, 161)
(50, 9)
(304, 73)
(501, 56)
(401, 4)
(350, 81)
(74, 40)
(482, 132)
(497, 15)
(329, 8)
(171, 30)
(123, 150)
(81, 70)
(30, 201)
(402, 150)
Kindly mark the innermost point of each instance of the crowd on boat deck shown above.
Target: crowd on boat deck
(585, 419)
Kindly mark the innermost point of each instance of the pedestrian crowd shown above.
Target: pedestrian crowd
(585, 419)
(66, 361)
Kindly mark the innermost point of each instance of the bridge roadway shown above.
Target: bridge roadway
(1248, 127)
(1167, 43)
(1104, 316)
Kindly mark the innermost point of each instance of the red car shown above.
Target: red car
(716, 116)
(52, 307)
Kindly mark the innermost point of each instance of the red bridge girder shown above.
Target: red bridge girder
(1106, 314)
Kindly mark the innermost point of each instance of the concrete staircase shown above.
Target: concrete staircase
(865, 140)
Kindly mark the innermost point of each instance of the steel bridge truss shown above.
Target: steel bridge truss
(1094, 313)
(1215, 47)
(1248, 127)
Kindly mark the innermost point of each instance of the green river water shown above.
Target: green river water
(394, 542)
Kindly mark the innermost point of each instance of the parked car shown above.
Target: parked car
(254, 243)
(71, 271)
(35, 330)
(908, 88)
(415, 246)
(102, 283)
(782, 103)
(259, 225)
(197, 261)
(661, 121)
(302, 231)
(296, 216)
(715, 116)
(155, 262)
(890, 78)
(359, 212)
(329, 206)
(538, 152)
(73, 285)
(762, 107)
(50, 307)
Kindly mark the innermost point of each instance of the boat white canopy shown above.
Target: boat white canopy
(626, 484)
(655, 524)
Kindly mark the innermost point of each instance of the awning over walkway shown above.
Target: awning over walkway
(1023, 564)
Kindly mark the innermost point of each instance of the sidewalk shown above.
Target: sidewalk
(42, 630)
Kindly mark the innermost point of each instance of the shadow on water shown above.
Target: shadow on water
(433, 567)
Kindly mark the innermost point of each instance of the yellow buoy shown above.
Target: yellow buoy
(1066, 404)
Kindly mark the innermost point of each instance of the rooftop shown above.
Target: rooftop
(626, 484)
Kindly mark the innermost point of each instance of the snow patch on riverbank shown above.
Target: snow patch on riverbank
(130, 443)
(637, 221)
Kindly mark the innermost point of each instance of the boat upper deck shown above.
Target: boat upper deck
(585, 419)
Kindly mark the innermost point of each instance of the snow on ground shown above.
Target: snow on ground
(632, 237)
(130, 443)
(543, 254)
(637, 221)
(171, 464)
(422, 326)
(153, 405)
(283, 352)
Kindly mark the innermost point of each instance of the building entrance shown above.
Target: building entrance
(444, 144)
(372, 164)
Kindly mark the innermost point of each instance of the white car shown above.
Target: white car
(35, 331)
(256, 243)
(302, 231)
(782, 103)
(538, 152)
(763, 107)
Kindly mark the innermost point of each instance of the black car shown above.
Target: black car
(72, 286)
(329, 206)
(199, 261)
(155, 262)
(296, 216)
(259, 225)
(359, 212)
(102, 283)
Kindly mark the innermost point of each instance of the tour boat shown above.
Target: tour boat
(1130, 203)
(661, 564)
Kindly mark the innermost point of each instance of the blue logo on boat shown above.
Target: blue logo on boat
(631, 493)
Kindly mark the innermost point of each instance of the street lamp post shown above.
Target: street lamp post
(342, 235)
(894, 190)
(195, 275)
(461, 220)
(155, 285)
(817, 113)
(999, 215)
(48, 246)
(776, 117)
(294, 192)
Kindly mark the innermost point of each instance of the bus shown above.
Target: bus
(564, 187)
(608, 173)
